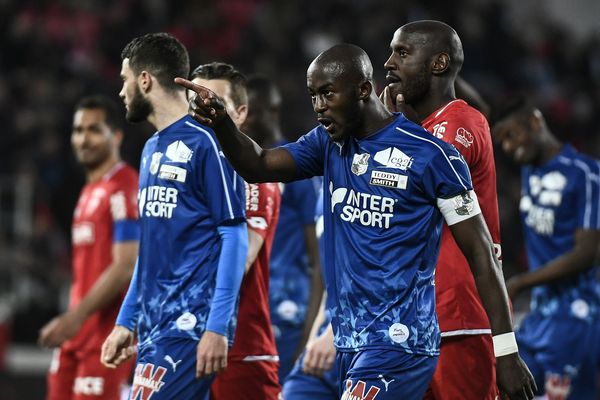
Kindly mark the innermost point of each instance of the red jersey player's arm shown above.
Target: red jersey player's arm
(316, 284)
(475, 241)
(255, 243)
(579, 259)
(106, 288)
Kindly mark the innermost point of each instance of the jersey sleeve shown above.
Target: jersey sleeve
(124, 210)
(308, 153)
(221, 186)
(588, 197)
(305, 193)
(261, 200)
(447, 180)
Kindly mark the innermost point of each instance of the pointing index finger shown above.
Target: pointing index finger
(201, 90)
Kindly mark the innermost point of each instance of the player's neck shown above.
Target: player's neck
(551, 147)
(168, 109)
(95, 174)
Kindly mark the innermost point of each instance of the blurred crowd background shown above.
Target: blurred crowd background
(55, 52)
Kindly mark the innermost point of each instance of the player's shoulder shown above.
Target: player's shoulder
(579, 163)
(123, 176)
(459, 112)
(420, 139)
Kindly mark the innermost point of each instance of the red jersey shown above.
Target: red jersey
(458, 304)
(106, 213)
(254, 338)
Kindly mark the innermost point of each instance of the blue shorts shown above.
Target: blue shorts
(561, 353)
(287, 343)
(301, 386)
(166, 370)
(384, 374)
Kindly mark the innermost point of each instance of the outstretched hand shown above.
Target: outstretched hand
(204, 106)
(397, 104)
(513, 378)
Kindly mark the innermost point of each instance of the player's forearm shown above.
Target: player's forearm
(255, 243)
(568, 265)
(490, 286)
(129, 310)
(319, 319)
(314, 303)
(106, 289)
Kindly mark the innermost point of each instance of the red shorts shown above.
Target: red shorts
(248, 380)
(466, 369)
(79, 375)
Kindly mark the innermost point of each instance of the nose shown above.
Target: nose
(389, 64)
(122, 93)
(319, 104)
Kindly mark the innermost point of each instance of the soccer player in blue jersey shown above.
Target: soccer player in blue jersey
(559, 206)
(390, 184)
(193, 236)
(295, 283)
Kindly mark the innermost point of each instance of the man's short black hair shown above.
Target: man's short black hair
(520, 105)
(162, 55)
(112, 112)
(221, 70)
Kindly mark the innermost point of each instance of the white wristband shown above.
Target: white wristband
(505, 344)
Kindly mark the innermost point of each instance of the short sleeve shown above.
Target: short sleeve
(308, 153)
(470, 134)
(220, 185)
(588, 195)
(124, 210)
(261, 206)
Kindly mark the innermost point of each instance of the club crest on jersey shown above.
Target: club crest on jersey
(358, 391)
(463, 204)
(393, 158)
(360, 163)
(155, 162)
(388, 179)
(464, 137)
(179, 152)
(147, 381)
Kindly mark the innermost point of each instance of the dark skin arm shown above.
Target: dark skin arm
(316, 285)
(251, 161)
(473, 238)
(579, 259)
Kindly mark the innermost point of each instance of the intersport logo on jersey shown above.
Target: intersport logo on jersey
(366, 209)
(157, 201)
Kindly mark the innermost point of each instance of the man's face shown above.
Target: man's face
(334, 100)
(222, 88)
(137, 106)
(516, 138)
(261, 118)
(408, 67)
(92, 139)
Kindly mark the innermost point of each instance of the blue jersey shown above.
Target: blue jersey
(382, 228)
(289, 282)
(559, 198)
(187, 189)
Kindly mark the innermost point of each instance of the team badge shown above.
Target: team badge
(360, 163)
(154, 164)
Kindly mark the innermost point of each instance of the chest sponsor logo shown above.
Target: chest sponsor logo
(545, 194)
(464, 137)
(155, 162)
(157, 201)
(388, 179)
(363, 208)
(148, 379)
(83, 233)
(357, 391)
(172, 173)
(179, 152)
(360, 163)
(89, 386)
(393, 158)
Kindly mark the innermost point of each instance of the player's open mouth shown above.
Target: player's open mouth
(327, 124)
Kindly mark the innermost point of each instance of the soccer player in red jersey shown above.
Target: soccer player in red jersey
(425, 59)
(105, 236)
(252, 363)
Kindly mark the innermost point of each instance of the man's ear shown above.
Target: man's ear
(364, 90)
(145, 81)
(242, 114)
(440, 64)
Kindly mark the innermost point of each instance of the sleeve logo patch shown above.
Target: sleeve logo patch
(388, 179)
(463, 204)
(464, 137)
